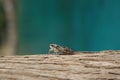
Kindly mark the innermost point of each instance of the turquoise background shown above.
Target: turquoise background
(83, 25)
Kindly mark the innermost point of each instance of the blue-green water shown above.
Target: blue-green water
(85, 25)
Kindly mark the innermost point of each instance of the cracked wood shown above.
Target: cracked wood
(104, 65)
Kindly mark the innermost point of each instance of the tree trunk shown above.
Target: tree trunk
(10, 42)
(103, 65)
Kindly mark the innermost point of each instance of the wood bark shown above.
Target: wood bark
(104, 65)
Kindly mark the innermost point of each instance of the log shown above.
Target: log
(103, 65)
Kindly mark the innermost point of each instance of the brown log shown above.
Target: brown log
(104, 65)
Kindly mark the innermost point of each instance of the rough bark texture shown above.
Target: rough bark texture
(104, 65)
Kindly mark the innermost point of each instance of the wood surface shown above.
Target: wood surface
(104, 65)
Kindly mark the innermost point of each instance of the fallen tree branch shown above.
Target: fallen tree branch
(104, 65)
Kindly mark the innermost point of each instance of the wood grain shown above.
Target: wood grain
(104, 65)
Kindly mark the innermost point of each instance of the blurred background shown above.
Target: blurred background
(29, 26)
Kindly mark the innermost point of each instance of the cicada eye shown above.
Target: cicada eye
(51, 44)
(57, 46)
